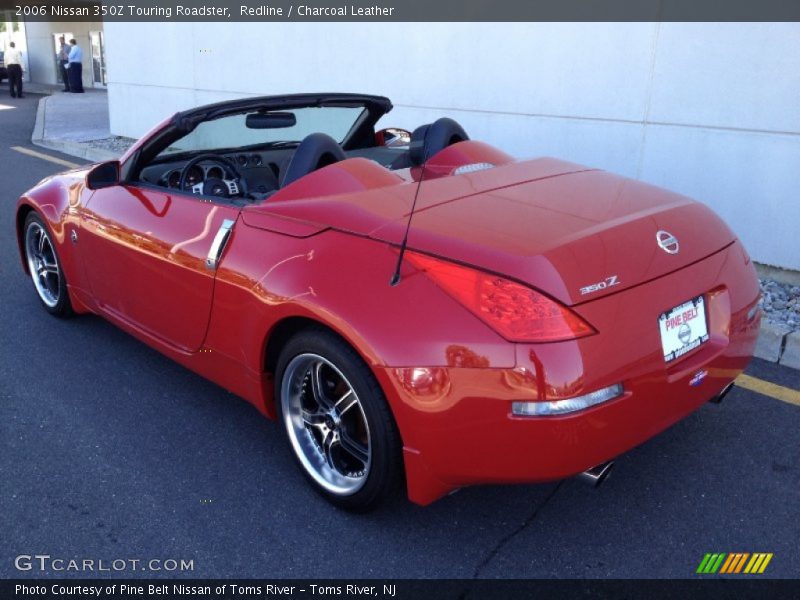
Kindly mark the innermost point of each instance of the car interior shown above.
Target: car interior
(254, 172)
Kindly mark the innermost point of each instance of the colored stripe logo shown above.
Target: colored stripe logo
(731, 563)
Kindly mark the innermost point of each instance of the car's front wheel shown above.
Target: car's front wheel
(44, 267)
(337, 421)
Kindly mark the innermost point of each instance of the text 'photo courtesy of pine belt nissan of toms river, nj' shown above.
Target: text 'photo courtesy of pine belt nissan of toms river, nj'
(417, 309)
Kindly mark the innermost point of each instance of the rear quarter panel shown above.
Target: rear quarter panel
(342, 281)
(475, 404)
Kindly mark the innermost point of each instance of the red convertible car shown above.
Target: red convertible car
(415, 309)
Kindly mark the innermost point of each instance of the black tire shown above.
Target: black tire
(44, 266)
(317, 364)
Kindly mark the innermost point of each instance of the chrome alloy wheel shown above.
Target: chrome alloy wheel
(326, 424)
(42, 263)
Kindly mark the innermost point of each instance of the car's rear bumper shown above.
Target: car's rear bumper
(457, 424)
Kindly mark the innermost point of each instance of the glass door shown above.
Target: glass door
(57, 37)
(98, 59)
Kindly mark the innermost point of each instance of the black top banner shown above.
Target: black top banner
(404, 10)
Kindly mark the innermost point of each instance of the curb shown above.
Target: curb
(791, 351)
(77, 149)
(38, 126)
(778, 344)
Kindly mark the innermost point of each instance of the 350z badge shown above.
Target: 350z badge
(601, 285)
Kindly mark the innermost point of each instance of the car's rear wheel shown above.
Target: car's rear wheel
(44, 267)
(337, 421)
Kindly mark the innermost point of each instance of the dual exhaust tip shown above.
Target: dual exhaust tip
(598, 474)
(718, 398)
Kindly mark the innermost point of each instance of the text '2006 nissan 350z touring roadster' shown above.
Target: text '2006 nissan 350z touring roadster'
(415, 309)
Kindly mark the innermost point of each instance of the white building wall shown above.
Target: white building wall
(711, 110)
(41, 49)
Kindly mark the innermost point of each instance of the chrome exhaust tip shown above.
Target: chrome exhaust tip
(597, 474)
(718, 398)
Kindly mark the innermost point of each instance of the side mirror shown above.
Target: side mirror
(103, 175)
(392, 136)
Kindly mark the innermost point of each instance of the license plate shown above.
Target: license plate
(683, 328)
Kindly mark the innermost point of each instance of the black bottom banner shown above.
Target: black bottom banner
(400, 589)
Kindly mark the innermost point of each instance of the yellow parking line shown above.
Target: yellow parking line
(43, 156)
(773, 390)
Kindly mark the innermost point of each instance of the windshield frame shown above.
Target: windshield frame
(181, 123)
(286, 137)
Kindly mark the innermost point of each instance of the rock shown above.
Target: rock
(780, 303)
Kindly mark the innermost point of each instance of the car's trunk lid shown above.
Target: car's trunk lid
(574, 233)
(577, 237)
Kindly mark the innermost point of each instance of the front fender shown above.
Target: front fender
(57, 200)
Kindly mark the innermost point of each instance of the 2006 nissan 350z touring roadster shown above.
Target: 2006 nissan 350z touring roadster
(414, 308)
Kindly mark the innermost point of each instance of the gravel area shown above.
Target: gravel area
(781, 303)
(117, 144)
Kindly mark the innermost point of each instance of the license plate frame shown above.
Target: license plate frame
(683, 328)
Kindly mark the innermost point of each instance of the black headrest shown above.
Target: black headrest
(427, 140)
(314, 152)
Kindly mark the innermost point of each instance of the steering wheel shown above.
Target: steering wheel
(231, 184)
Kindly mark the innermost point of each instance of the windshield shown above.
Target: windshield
(232, 131)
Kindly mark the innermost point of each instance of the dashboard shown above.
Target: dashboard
(258, 170)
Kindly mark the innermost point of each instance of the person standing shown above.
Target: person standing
(75, 67)
(13, 59)
(63, 61)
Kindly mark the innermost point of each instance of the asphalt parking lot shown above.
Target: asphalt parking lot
(109, 450)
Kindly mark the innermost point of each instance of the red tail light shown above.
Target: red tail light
(515, 311)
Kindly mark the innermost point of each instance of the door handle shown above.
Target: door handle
(218, 245)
